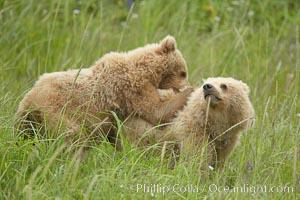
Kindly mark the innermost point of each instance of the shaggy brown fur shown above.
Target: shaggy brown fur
(213, 118)
(125, 83)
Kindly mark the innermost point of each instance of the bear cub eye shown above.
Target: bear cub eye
(183, 74)
(223, 87)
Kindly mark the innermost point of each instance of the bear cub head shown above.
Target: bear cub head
(175, 75)
(230, 96)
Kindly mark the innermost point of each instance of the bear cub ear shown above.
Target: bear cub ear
(168, 44)
(245, 87)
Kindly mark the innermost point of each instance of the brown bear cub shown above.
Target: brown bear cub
(77, 101)
(210, 124)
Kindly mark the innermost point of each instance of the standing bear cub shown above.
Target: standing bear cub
(210, 124)
(77, 101)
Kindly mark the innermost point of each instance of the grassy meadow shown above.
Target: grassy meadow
(255, 41)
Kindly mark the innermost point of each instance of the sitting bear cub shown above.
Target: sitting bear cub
(77, 101)
(213, 119)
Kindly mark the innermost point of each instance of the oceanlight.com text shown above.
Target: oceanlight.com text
(246, 188)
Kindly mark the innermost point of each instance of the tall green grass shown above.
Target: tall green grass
(255, 41)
